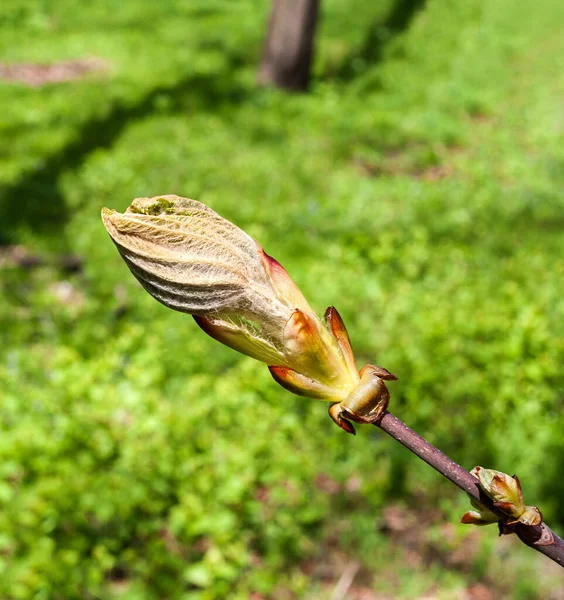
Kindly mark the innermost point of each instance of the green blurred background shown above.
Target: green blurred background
(417, 187)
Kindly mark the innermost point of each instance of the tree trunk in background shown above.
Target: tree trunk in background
(288, 50)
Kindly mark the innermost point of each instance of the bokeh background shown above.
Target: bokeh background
(417, 186)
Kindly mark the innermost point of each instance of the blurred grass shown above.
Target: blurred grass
(418, 188)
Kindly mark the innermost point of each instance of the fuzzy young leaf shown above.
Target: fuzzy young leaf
(194, 261)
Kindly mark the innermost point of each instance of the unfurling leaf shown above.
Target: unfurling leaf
(480, 516)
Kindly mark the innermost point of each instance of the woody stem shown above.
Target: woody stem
(529, 535)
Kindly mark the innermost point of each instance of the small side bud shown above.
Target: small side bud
(504, 490)
(507, 496)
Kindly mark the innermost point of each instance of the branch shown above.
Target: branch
(540, 538)
(302, 359)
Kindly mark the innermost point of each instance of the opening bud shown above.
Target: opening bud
(194, 261)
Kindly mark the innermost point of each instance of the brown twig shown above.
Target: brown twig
(541, 538)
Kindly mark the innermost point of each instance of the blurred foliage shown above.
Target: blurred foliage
(418, 188)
